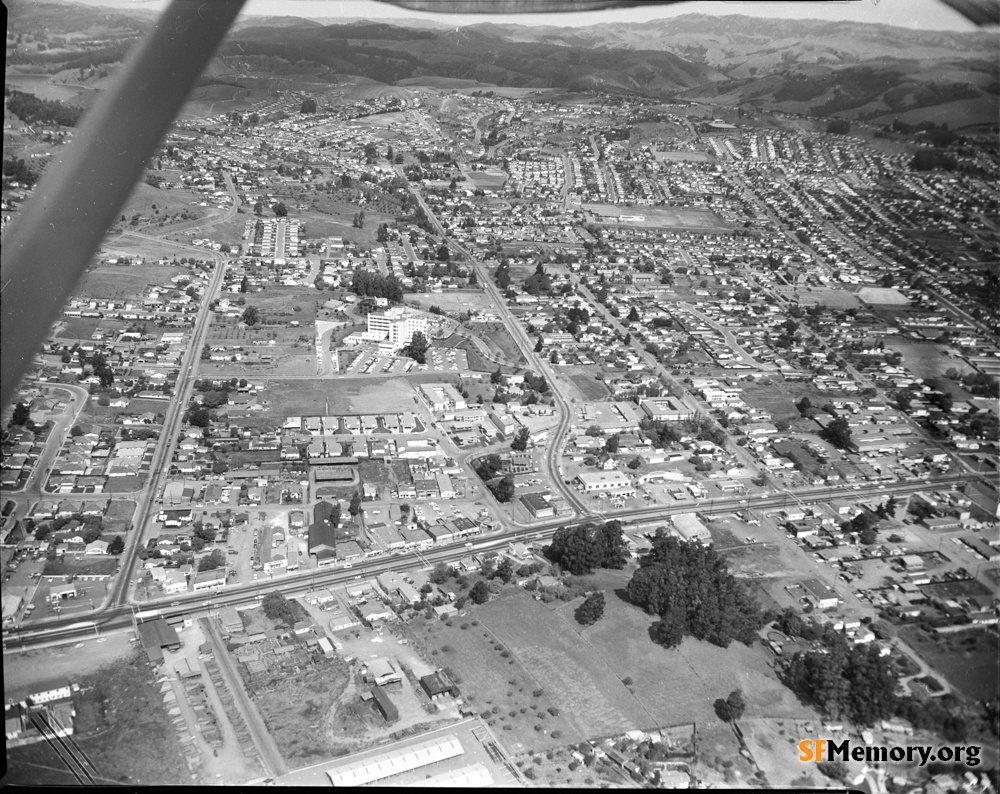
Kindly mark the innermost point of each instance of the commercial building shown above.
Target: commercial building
(396, 762)
(605, 481)
(665, 409)
(687, 526)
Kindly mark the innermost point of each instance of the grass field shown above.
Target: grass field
(589, 387)
(120, 281)
(454, 302)
(137, 745)
(689, 217)
(967, 659)
(493, 679)
(339, 396)
(583, 685)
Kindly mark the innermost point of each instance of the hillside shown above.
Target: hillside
(869, 72)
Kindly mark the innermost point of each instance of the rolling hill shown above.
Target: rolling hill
(859, 71)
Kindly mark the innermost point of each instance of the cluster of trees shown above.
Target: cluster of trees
(536, 383)
(732, 708)
(251, 315)
(539, 282)
(212, 561)
(591, 610)
(839, 127)
(277, 607)
(417, 349)
(22, 416)
(489, 468)
(580, 550)
(99, 364)
(502, 274)
(30, 109)
(689, 586)
(308, 106)
(520, 441)
(844, 680)
(931, 160)
(369, 284)
(837, 432)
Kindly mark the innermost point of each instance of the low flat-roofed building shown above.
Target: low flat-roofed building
(602, 481)
(396, 761)
(687, 526)
(474, 776)
(538, 505)
(384, 704)
(820, 594)
(665, 409)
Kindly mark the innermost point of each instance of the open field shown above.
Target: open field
(586, 384)
(819, 296)
(967, 659)
(680, 685)
(493, 679)
(339, 396)
(689, 157)
(83, 327)
(687, 217)
(137, 746)
(583, 685)
(119, 281)
(282, 304)
(453, 302)
(926, 359)
(778, 398)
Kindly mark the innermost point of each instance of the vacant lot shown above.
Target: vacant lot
(967, 659)
(583, 685)
(493, 679)
(120, 281)
(674, 216)
(296, 709)
(678, 686)
(339, 396)
(135, 746)
(778, 398)
(586, 384)
(454, 302)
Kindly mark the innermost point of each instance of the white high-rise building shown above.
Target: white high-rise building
(395, 327)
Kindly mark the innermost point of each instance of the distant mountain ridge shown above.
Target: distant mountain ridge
(848, 69)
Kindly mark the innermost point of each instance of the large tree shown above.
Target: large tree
(251, 315)
(689, 586)
(418, 347)
(279, 608)
(591, 610)
(480, 592)
(837, 432)
(520, 440)
(580, 550)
